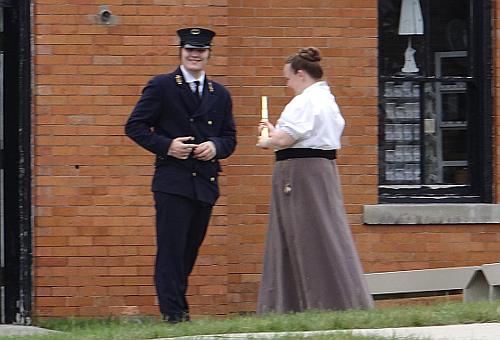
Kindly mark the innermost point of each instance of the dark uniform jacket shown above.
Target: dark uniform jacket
(168, 109)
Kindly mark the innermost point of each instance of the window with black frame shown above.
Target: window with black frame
(435, 106)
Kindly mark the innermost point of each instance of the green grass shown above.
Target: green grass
(148, 328)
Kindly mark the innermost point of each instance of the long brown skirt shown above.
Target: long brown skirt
(310, 260)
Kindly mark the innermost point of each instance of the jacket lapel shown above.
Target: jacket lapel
(185, 93)
(195, 108)
(207, 100)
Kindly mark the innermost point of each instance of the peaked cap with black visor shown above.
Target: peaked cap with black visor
(195, 37)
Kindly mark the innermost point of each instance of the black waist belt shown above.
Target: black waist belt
(281, 155)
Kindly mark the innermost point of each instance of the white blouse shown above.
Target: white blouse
(313, 119)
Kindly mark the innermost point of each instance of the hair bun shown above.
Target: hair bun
(310, 54)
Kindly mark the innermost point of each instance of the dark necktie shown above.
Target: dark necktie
(197, 89)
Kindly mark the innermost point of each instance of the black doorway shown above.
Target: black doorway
(15, 162)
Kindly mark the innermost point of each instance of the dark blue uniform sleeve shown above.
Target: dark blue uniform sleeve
(225, 142)
(140, 126)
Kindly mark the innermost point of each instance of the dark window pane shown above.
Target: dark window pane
(454, 67)
(456, 175)
(454, 145)
(449, 22)
(453, 106)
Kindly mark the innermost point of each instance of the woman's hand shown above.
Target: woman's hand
(277, 139)
(265, 124)
(264, 140)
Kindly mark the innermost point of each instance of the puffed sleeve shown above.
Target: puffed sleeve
(296, 119)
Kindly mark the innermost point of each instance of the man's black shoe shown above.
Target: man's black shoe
(175, 318)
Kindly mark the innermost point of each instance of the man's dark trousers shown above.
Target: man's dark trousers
(181, 225)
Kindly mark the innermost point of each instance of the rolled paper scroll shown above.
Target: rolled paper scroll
(264, 117)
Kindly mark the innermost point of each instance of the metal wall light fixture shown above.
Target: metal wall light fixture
(105, 17)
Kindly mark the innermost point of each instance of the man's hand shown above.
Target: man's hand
(205, 151)
(179, 149)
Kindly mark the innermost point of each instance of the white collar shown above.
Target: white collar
(321, 84)
(188, 77)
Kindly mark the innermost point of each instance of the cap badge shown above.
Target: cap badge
(178, 79)
(195, 31)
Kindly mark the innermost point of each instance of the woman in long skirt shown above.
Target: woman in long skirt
(310, 259)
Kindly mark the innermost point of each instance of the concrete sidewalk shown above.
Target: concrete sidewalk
(10, 330)
(481, 331)
(477, 331)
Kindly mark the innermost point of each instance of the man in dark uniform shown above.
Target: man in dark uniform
(186, 120)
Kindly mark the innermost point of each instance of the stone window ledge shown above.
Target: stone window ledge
(464, 213)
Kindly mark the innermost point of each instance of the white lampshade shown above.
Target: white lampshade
(410, 19)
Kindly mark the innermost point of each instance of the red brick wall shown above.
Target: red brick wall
(94, 235)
